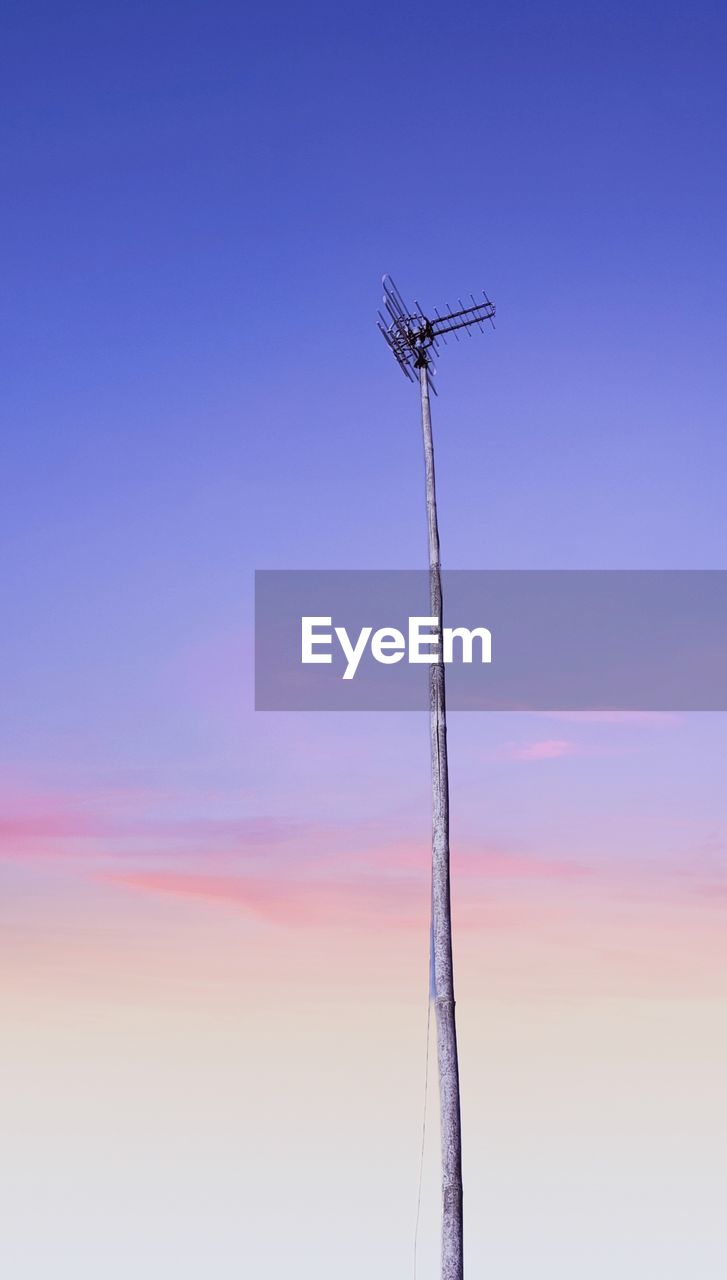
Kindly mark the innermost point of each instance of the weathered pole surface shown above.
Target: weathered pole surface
(443, 971)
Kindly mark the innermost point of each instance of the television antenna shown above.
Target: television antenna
(414, 338)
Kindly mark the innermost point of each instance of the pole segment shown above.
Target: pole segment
(443, 971)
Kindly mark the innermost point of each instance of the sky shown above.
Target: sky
(214, 971)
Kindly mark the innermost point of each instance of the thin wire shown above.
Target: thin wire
(424, 1132)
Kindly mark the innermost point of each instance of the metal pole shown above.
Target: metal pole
(443, 972)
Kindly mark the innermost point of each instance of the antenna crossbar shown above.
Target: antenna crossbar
(412, 336)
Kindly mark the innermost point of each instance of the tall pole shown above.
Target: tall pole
(412, 337)
(443, 970)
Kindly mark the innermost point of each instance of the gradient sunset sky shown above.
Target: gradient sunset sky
(213, 969)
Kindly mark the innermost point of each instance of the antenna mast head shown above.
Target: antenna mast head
(412, 336)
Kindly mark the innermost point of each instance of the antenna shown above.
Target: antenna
(413, 337)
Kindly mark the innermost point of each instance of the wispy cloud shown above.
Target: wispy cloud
(543, 749)
(386, 883)
(298, 872)
(304, 900)
(38, 824)
(636, 719)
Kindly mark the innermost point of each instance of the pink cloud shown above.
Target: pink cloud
(495, 865)
(545, 749)
(291, 902)
(300, 873)
(659, 719)
(37, 824)
(387, 884)
(23, 828)
(470, 861)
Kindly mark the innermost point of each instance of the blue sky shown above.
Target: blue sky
(201, 201)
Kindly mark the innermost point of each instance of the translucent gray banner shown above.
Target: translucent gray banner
(622, 640)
